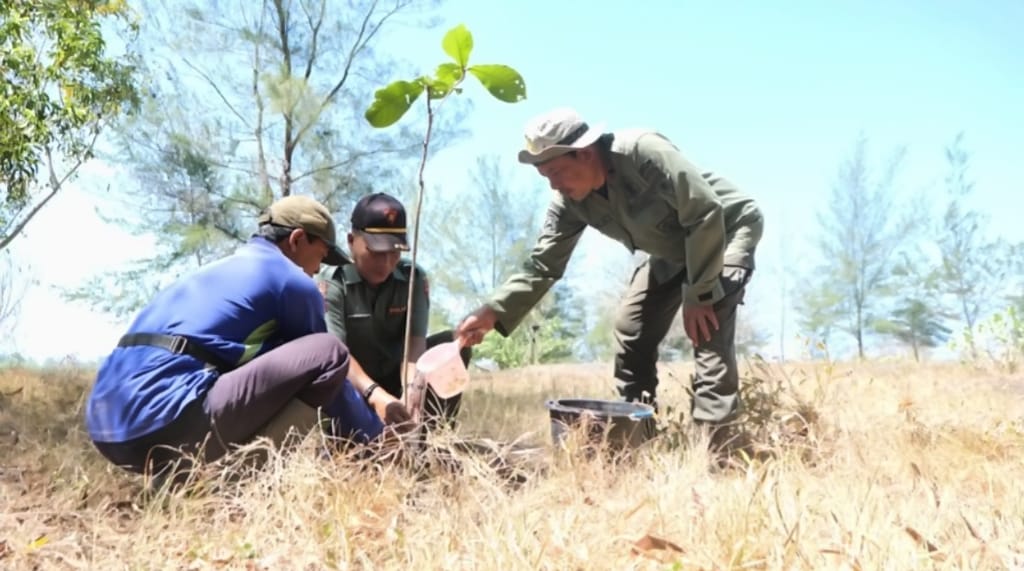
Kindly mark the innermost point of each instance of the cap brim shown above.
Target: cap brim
(554, 151)
(335, 257)
(386, 242)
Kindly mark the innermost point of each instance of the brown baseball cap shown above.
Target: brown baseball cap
(296, 211)
(381, 219)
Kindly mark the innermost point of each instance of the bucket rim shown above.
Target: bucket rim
(643, 410)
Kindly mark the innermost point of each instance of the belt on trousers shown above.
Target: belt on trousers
(176, 344)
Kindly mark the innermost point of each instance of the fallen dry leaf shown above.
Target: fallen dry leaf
(652, 543)
(5, 548)
(920, 539)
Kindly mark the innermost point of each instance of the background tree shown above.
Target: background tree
(476, 239)
(1015, 297)
(750, 338)
(12, 290)
(611, 274)
(860, 232)
(918, 318)
(974, 266)
(550, 333)
(819, 310)
(782, 274)
(563, 320)
(59, 89)
(249, 105)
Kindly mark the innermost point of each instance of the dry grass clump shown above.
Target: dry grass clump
(867, 466)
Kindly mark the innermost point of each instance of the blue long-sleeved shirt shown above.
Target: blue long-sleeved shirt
(237, 308)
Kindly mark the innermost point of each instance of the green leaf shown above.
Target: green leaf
(445, 78)
(391, 102)
(458, 43)
(502, 81)
(448, 73)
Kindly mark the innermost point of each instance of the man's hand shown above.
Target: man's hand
(699, 321)
(391, 410)
(477, 324)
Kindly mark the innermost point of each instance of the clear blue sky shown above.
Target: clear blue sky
(771, 95)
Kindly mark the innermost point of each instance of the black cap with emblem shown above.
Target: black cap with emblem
(380, 218)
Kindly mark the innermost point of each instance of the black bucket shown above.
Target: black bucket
(626, 425)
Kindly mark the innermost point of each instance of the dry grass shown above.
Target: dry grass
(879, 466)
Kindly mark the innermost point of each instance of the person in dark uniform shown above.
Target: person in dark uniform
(366, 300)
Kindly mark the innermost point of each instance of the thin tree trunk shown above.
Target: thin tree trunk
(860, 331)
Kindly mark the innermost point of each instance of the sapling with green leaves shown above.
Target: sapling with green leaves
(390, 104)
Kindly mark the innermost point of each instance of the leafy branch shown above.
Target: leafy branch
(390, 104)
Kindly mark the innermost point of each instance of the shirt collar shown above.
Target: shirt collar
(352, 274)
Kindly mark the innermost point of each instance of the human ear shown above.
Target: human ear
(295, 237)
(587, 155)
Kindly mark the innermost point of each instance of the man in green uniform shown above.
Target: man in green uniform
(700, 233)
(366, 302)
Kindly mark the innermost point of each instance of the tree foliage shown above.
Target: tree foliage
(59, 89)
(550, 333)
(392, 101)
(248, 105)
(475, 236)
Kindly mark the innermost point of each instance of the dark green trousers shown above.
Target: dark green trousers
(643, 319)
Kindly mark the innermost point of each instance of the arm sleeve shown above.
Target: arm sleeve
(700, 215)
(302, 311)
(545, 266)
(333, 306)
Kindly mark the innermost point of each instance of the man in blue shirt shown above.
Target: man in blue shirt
(236, 350)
